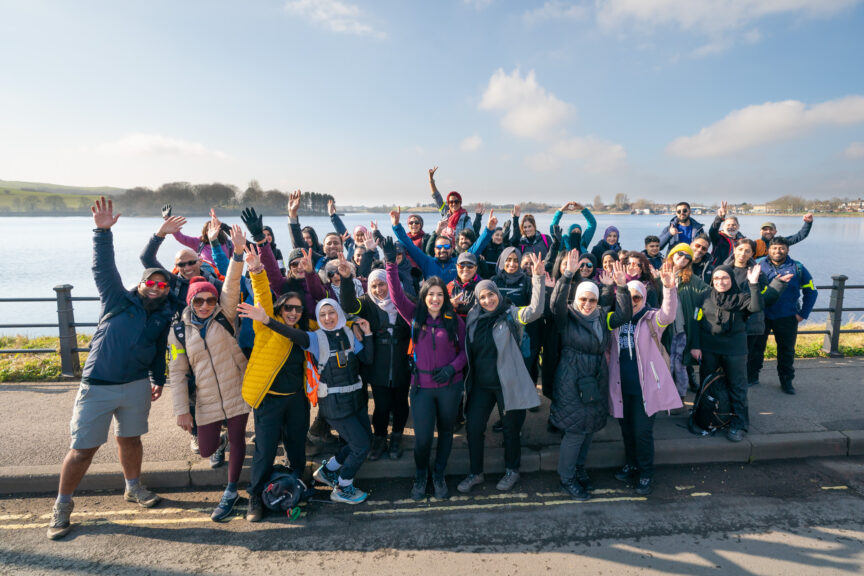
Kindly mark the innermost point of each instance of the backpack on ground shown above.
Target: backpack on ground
(712, 408)
(284, 492)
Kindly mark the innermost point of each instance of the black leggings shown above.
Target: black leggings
(387, 401)
(284, 418)
(431, 406)
(637, 429)
(477, 411)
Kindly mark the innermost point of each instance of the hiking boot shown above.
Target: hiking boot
(418, 489)
(395, 446)
(217, 459)
(140, 494)
(469, 482)
(193, 445)
(508, 480)
(324, 476)
(60, 520)
(348, 494)
(255, 508)
(627, 474)
(379, 446)
(735, 435)
(222, 512)
(583, 479)
(498, 426)
(575, 490)
(440, 485)
(787, 387)
(645, 486)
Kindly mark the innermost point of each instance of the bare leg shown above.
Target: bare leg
(131, 453)
(75, 465)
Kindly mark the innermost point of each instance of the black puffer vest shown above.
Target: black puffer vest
(341, 370)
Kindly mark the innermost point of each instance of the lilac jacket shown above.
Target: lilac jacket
(205, 251)
(433, 349)
(658, 388)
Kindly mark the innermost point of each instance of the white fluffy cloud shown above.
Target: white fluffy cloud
(140, 144)
(855, 150)
(765, 123)
(556, 10)
(710, 15)
(471, 143)
(528, 110)
(333, 15)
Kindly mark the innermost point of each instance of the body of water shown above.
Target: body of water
(40, 253)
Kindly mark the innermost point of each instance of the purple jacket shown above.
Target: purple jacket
(204, 249)
(280, 284)
(433, 348)
(658, 388)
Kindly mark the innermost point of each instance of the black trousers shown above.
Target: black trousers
(279, 418)
(637, 429)
(356, 431)
(431, 407)
(387, 401)
(479, 406)
(786, 335)
(735, 368)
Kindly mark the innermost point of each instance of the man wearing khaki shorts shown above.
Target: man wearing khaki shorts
(124, 373)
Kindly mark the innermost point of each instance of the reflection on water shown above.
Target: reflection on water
(40, 253)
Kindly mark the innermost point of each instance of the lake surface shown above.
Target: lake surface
(40, 253)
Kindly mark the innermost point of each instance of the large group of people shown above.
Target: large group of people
(447, 324)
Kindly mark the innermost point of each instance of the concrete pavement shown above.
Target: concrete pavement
(825, 418)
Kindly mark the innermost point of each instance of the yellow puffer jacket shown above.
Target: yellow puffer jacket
(216, 361)
(271, 349)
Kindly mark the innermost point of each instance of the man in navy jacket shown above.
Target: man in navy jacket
(124, 373)
(792, 307)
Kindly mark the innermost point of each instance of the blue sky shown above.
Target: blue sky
(546, 100)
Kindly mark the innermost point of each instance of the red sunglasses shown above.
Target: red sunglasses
(151, 283)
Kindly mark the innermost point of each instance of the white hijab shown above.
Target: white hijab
(329, 301)
(385, 304)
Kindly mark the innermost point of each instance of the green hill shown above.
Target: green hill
(42, 187)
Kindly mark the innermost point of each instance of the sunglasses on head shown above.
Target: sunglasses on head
(209, 301)
(442, 246)
(187, 263)
(151, 283)
(292, 308)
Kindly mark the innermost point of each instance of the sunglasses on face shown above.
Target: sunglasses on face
(465, 265)
(453, 202)
(586, 265)
(295, 264)
(209, 301)
(682, 211)
(442, 247)
(332, 273)
(187, 263)
(413, 223)
(636, 298)
(292, 308)
(151, 283)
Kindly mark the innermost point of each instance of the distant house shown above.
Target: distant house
(760, 209)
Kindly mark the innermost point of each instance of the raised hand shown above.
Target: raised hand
(537, 264)
(514, 213)
(294, 203)
(373, 226)
(481, 209)
(213, 229)
(254, 223)
(722, 211)
(550, 282)
(256, 313)
(331, 207)
(306, 263)
(557, 234)
(506, 227)
(808, 217)
(103, 214)
(388, 246)
(432, 173)
(753, 275)
(673, 230)
(576, 206)
(166, 211)
(343, 267)
(655, 273)
(573, 261)
(667, 274)
(171, 226)
(253, 260)
(363, 324)
(395, 214)
(345, 237)
(493, 221)
(605, 278)
(238, 238)
(214, 218)
(442, 225)
(619, 275)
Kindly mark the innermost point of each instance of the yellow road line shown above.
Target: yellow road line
(699, 494)
(835, 487)
(496, 505)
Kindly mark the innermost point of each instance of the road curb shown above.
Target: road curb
(609, 454)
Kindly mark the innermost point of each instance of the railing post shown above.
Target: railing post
(70, 365)
(831, 345)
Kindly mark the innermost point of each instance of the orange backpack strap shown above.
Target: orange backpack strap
(313, 379)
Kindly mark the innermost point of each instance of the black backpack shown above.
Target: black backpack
(712, 408)
(180, 328)
(284, 492)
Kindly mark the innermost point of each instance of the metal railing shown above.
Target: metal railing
(71, 366)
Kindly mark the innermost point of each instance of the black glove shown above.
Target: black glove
(166, 211)
(254, 223)
(557, 235)
(388, 246)
(506, 227)
(444, 374)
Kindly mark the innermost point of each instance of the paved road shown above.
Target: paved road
(795, 517)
